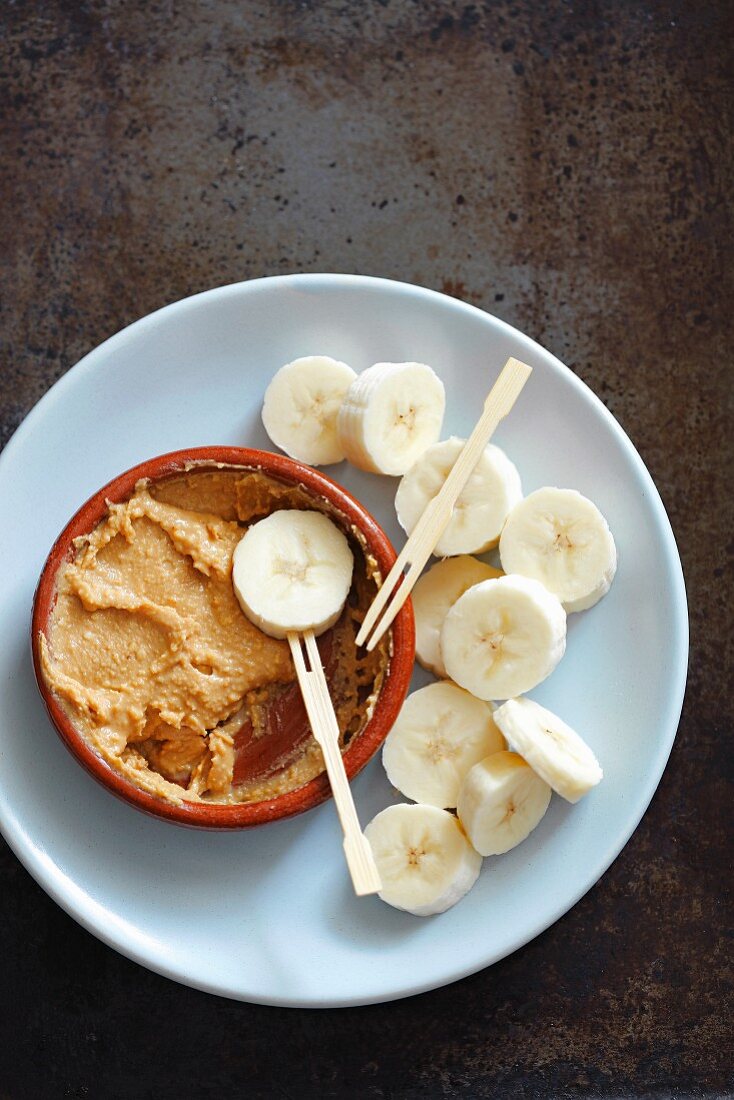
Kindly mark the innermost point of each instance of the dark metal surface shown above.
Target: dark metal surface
(565, 166)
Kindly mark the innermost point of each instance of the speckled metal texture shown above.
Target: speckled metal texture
(564, 165)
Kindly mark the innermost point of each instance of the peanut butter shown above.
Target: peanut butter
(159, 669)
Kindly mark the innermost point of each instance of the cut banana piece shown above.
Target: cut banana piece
(480, 512)
(440, 733)
(425, 861)
(391, 413)
(301, 406)
(503, 637)
(292, 571)
(500, 803)
(551, 748)
(436, 591)
(558, 537)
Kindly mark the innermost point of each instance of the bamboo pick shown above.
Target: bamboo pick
(324, 726)
(437, 514)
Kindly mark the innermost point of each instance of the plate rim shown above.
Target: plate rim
(72, 898)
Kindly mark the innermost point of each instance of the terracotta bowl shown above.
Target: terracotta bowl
(363, 746)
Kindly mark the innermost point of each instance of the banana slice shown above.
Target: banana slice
(391, 413)
(551, 748)
(489, 494)
(425, 861)
(503, 637)
(434, 594)
(301, 406)
(440, 733)
(292, 571)
(558, 537)
(500, 802)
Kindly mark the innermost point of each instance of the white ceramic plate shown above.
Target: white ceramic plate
(267, 915)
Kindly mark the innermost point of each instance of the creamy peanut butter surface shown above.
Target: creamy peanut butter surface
(159, 669)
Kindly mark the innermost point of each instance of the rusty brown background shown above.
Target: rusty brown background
(563, 165)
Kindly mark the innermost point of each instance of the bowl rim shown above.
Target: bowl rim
(394, 688)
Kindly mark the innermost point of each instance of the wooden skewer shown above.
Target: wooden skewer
(438, 512)
(325, 728)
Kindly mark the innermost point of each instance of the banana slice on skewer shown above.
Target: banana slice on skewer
(292, 571)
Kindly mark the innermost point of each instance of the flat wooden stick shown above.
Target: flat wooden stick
(325, 728)
(438, 512)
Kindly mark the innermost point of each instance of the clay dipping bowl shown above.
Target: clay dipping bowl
(362, 747)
